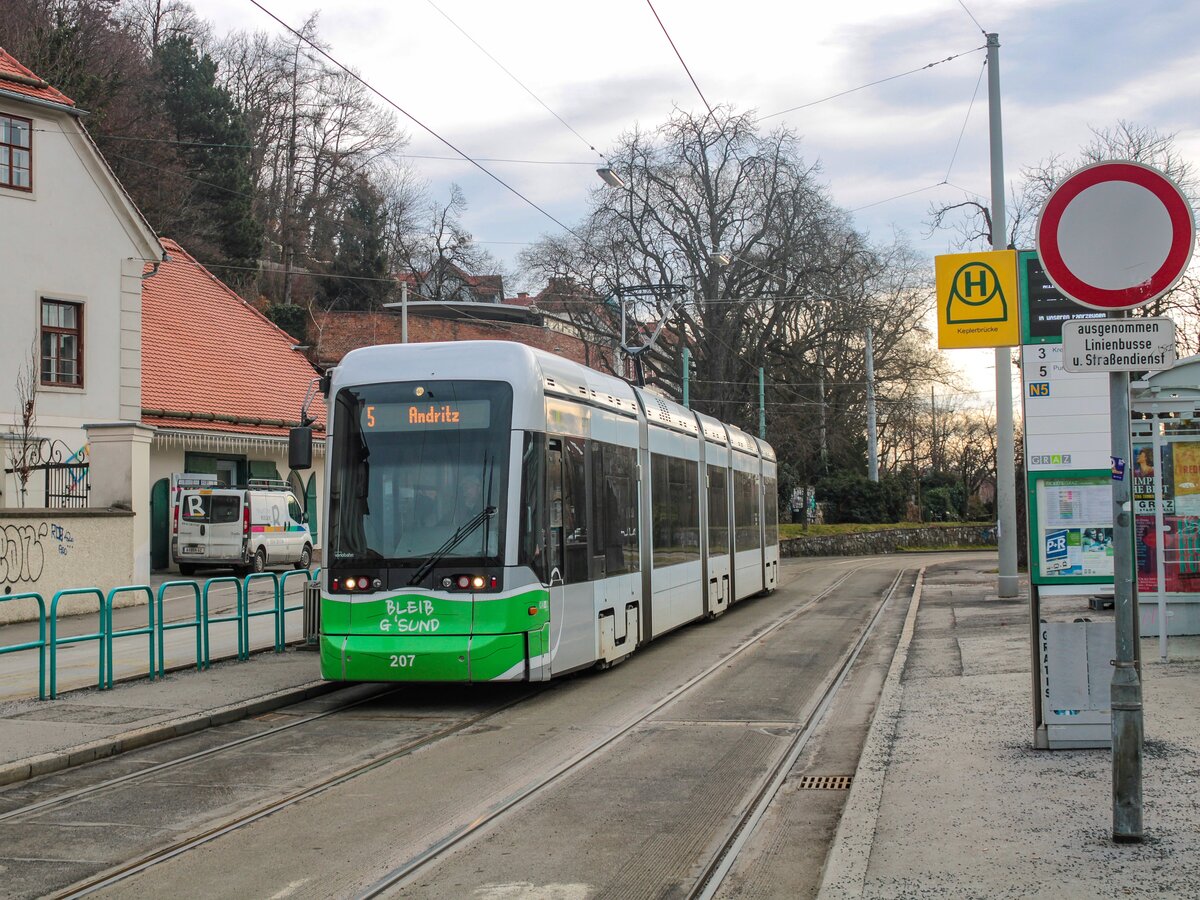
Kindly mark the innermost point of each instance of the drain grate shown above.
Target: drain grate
(825, 782)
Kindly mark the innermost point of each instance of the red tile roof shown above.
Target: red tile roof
(209, 353)
(17, 79)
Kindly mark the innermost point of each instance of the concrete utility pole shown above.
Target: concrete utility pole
(872, 435)
(404, 312)
(1007, 583)
(762, 404)
(687, 362)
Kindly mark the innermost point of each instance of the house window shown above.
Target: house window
(16, 154)
(62, 343)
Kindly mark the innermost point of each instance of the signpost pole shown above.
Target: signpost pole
(1126, 690)
(1006, 477)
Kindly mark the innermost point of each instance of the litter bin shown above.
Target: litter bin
(1076, 680)
(312, 613)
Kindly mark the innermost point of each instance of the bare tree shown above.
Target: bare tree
(154, 21)
(971, 220)
(432, 244)
(23, 449)
(800, 288)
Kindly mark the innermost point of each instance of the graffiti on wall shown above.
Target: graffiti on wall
(64, 538)
(22, 556)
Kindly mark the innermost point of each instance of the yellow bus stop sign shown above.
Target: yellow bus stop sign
(977, 300)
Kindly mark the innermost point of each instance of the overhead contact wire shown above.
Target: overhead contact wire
(392, 103)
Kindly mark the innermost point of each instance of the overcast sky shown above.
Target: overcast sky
(1065, 65)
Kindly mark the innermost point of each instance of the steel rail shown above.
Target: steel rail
(406, 870)
(710, 881)
(120, 873)
(191, 757)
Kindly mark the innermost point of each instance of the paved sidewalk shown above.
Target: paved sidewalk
(950, 799)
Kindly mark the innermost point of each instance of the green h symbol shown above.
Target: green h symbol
(971, 284)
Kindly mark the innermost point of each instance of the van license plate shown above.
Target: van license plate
(192, 548)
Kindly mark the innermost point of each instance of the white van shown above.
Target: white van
(247, 529)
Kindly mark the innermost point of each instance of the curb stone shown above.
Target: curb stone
(69, 757)
(845, 872)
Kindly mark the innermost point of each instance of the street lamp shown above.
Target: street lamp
(610, 177)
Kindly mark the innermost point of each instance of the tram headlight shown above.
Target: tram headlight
(351, 584)
(477, 582)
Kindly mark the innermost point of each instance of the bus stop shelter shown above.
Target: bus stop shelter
(1165, 438)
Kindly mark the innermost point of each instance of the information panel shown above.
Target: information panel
(1071, 528)
(1043, 308)
(1066, 413)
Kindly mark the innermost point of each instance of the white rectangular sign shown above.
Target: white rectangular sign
(1066, 413)
(1117, 345)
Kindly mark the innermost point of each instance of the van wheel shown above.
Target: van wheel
(305, 558)
(259, 563)
(187, 570)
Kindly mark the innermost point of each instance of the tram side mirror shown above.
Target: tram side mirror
(300, 448)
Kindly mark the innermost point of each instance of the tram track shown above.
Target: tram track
(709, 884)
(402, 875)
(158, 768)
(115, 875)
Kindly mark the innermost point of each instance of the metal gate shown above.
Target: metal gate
(65, 472)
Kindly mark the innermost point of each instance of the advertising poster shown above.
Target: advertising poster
(1075, 528)
(1186, 471)
(1179, 542)
(1179, 545)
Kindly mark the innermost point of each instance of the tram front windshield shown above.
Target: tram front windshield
(411, 464)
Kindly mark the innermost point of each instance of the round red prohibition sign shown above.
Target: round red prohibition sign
(1115, 235)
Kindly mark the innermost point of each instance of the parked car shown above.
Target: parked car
(247, 528)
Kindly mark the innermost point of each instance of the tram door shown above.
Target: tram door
(572, 625)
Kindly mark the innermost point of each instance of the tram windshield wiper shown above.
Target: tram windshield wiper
(455, 539)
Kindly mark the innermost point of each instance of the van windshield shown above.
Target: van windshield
(411, 462)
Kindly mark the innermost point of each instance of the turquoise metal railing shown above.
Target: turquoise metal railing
(156, 624)
(76, 639)
(149, 630)
(284, 609)
(239, 616)
(164, 626)
(39, 644)
(273, 610)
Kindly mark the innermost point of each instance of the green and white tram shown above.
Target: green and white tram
(497, 513)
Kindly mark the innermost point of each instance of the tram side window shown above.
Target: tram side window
(675, 509)
(745, 511)
(532, 545)
(771, 502)
(614, 509)
(574, 511)
(718, 512)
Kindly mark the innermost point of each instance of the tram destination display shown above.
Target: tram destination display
(426, 415)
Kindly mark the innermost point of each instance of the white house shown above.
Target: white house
(73, 249)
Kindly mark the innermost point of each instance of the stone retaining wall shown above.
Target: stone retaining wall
(886, 541)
